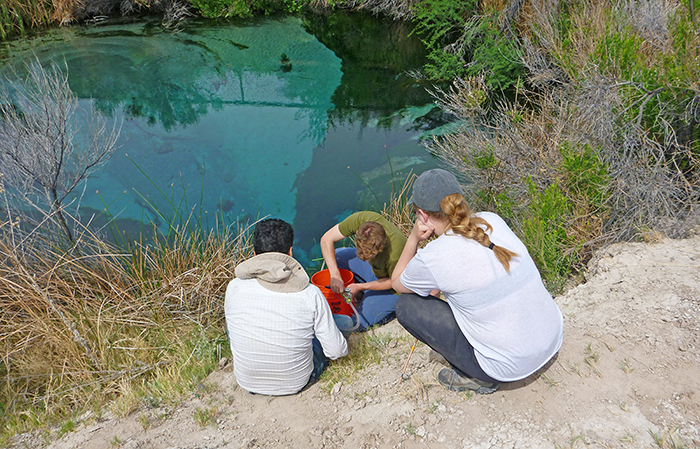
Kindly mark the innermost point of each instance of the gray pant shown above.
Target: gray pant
(431, 321)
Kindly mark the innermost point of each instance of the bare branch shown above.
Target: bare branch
(39, 153)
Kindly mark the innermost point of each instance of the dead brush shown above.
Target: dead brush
(514, 155)
(396, 9)
(76, 325)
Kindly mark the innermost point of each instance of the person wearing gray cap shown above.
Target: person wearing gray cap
(497, 323)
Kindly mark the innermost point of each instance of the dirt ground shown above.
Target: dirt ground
(627, 376)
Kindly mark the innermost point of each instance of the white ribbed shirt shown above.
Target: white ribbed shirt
(271, 332)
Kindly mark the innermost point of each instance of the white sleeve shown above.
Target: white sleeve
(418, 278)
(331, 339)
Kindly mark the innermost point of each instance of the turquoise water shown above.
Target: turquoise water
(306, 120)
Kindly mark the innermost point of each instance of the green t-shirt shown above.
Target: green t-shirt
(383, 263)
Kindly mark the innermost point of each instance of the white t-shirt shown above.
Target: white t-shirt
(271, 332)
(510, 319)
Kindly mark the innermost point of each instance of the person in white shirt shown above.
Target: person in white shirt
(280, 326)
(498, 323)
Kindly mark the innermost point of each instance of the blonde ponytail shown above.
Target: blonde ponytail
(463, 222)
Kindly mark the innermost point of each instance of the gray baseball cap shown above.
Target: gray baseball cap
(431, 187)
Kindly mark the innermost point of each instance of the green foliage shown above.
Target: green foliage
(484, 160)
(660, 82)
(460, 46)
(505, 206)
(587, 177)
(444, 66)
(495, 54)
(293, 6)
(246, 8)
(563, 216)
(222, 8)
(66, 427)
(362, 351)
(438, 21)
(545, 233)
(205, 417)
(618, 53)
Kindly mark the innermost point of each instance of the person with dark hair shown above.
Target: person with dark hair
(273, 235)
(378, 245)
(497, 323)
(280, 326)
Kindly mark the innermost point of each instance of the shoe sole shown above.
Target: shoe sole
(479, 390)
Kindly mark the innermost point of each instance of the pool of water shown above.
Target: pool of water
(303, 119)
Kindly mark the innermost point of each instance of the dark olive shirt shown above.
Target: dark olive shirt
(383, 264)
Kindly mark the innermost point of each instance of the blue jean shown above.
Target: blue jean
(320, 361)
(431, 321)
(377, 306)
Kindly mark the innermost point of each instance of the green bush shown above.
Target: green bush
(495, 54)
(563, 217)
(246, 8)
(545, 233)
(462, 46)
(222, 8)
(444, 66)
(587, 177)
(438, 23)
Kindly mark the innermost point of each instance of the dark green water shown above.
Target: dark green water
(304, 119)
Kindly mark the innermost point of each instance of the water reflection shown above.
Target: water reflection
(302, 119)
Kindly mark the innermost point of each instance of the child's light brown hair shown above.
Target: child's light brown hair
(370, 239)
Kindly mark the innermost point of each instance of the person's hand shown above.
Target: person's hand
(355, 289)
(422, 230)
(337, 285)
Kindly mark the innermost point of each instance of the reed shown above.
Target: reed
(80, 329)
(17, 16)
(396, 210)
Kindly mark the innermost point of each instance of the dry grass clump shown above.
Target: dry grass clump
(397, 211)
(82, 327)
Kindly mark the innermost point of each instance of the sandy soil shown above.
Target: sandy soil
(627, 376)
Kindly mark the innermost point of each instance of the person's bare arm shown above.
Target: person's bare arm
(421, 231)
(328, 250)
(379, 284)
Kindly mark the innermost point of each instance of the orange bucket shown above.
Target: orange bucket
(322, 280)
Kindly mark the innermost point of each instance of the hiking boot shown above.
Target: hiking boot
(434, 356)
(450, 379)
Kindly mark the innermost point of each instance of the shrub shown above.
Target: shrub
(564, 173)
(494, 53)
(545, 234)
(462, 43)
(246, 8)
